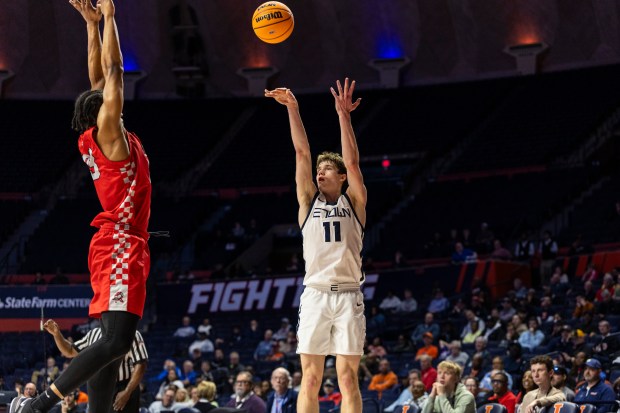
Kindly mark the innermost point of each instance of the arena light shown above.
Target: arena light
(389, 70)
(131, 79)
(5, 74)
(257, 78)
(526, 56)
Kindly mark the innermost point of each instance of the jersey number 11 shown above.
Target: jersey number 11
(328, 233)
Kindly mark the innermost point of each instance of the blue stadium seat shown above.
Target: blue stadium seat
(492, 408)
(564, 407)
(371, 406)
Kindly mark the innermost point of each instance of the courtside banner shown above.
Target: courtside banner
(282, 293)
(57, 301)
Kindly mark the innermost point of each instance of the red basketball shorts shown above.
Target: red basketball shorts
(119, 264)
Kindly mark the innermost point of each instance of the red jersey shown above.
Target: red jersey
(123, 187)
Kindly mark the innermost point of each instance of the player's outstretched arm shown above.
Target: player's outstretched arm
(92, 16)
(64, 345)
(110, 135)
(343, 100)
(303, 170)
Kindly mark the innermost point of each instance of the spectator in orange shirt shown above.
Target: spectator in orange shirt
(384, 380)
(428, 348)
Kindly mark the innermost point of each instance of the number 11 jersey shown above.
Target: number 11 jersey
(332, 242)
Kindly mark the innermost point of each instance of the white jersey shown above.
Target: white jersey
(332, 243)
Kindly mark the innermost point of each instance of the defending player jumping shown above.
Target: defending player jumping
(119, 256)
(331, 313)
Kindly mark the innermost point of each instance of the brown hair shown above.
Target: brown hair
(546, 360)
(334, 158)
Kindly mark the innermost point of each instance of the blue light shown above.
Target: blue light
(389, 47)
(129, 62)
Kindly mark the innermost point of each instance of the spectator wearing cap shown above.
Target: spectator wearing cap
(563, 343)
(428, 349)
(384, 380)
(330, 393)
(595, 390)
(545, 395)
(558, 380)
(429, 326)
(501, 393)
(282, 333)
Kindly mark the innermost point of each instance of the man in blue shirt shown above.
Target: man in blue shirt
(282, 399)
(595, 390)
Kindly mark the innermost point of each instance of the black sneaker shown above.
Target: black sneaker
(26, 407)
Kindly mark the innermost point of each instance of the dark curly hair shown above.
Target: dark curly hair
(87, 107)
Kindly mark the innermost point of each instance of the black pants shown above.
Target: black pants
(98, 364)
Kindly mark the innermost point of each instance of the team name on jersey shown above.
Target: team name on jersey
(330, 213)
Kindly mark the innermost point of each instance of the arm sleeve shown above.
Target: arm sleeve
(429, 405)
(460, 404)
(554, 397)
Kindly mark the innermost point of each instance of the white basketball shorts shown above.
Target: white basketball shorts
(331, 323)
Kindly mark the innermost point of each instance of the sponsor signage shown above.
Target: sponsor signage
(55, 301)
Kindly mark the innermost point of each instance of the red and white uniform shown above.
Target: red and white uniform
(119, 260)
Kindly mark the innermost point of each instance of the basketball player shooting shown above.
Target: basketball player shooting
(118, 257)
(331, 311)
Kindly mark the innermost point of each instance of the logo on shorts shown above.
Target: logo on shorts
(118, 297)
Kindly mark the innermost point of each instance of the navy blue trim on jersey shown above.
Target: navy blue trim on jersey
(354, 213)
(310, 209)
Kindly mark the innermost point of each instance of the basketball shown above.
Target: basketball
(273, 22)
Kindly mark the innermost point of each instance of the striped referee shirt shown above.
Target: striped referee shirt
(136, 355)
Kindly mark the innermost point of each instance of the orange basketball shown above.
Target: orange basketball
(273, 22)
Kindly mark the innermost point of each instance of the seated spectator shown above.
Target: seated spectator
(475, 368)
(384, 380)
(330, 393)
(206, 392)
(429, 374)
(518, 324)
(439, 304)
(507, 311)
(69, 404)
(408, 304)
(471, 385)
(376, 322)
(166, 403)
(390, 303)
(369, 366)
(527, 385)
(169, 364)
(606, 344)
(456, 355)
(512, 361)
(171, 379)
(188, 375)
(428, 349)
(205, 327)
(203, 343)
(501, 393)
(519, 289)
(603, 298)
(590, 275)
(285, 328)
(558, 380)
(264, 349)
(498, 367)
(429, 326)
(448, 394)
(473, 322)
(545, 395)
(462, 255)
(533, 337)
(377, 348)
(50, 372)
(500, 253)
(595, 390)
(244, 397)
(186, 330)
(494, 327)
(413, 395)
(282, 399)
(563, 343)
(403, 345)
(252, 335)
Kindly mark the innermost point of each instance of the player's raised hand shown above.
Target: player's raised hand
(90, 13)
(106, 6)
(283, 96)
(344, 97)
